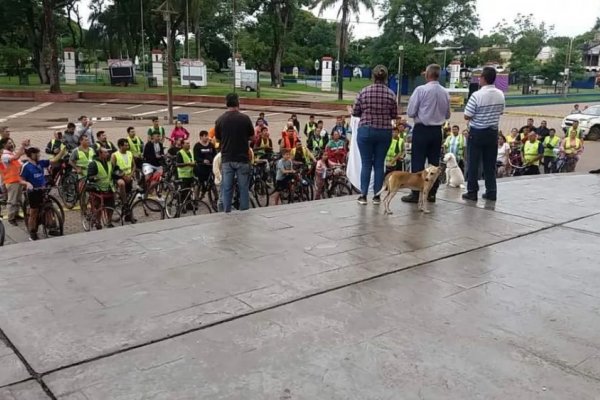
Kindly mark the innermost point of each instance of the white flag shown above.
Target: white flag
(354, 164)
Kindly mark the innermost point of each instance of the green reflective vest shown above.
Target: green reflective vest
(570, 149)
(83, 160)
(552, 142)
(459, 147)
(531, 151)
(104, 178)
(124, 165)
(395, 148)
(135, 145)
(186, 172)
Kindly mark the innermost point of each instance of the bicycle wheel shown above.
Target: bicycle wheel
(339, 189)
(213, 197)
(146, 210)
(2, 234)
(67, 190)
(51, 221)
(261, 193)
(172, 200)
(202, 208)
(107, 217)
(57, 205)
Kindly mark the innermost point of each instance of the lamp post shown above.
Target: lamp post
(317, 65)
(567, 69)
(337, 72)
(166, 11)
(399, 94)
(143, 49)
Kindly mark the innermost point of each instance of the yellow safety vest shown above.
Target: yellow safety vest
(83, 160)
(104, 177)
(186, 172)
(460, 147)
(553, 142)
(135, 145)
(531, 151)
(579, 132)
(569, 149)
(395, 148)
(305, 151)
(123, 166)
(53, 142)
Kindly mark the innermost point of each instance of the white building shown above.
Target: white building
(546, 54)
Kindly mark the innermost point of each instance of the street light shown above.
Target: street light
(317, 65)
(166, 11)
(399, 94)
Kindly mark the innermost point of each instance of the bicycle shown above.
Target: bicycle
(335, 184)
(101, 216)
(299, 189)
(47, 196)
(138, 207)
(259, 187)
(67, 182)
(179, 200)
(50, 216)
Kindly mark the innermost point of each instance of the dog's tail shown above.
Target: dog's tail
(385, 185)
(462, 186)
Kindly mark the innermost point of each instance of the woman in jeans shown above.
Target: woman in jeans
(376, 107)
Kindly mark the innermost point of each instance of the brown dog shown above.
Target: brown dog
(421, 181)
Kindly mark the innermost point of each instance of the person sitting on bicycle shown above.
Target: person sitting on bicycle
(32, 172)
(105, 143)
(551, 147)
(285, 173)
(289, 137)
(100, 181)
(185, 165)
(571, 148)
(533, 152)
(336, 149)
(317, 139)
(53, 148)
(124, 168)
(154, 155)
(82, 156)
(136, 146)
(263, 147)
(301, 154)
(204, 154)
(321, 173)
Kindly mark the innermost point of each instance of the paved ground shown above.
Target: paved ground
(327, 300)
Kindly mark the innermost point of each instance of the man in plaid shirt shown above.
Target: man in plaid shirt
(376, 107)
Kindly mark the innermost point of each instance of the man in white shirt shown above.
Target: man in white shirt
(483, 112)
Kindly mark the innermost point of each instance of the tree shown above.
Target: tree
(426, 19)
(50, 39)
(347, 8)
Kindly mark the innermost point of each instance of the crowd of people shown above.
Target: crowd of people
(386, 142)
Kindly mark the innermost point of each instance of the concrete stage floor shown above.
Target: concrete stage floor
(323, 300)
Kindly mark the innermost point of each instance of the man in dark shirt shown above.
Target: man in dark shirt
(529, 125)
(204, 153)
(234, 130)
(69, 137)
(154, 154)
(543, 131)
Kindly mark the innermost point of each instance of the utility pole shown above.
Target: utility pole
(143, 49)
(399, 96)
(233, 40)
(167, 12)
(567, 69)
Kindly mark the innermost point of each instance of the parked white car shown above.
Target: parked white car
(589, 122)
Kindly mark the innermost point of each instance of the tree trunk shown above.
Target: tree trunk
(197, 43)
(343, 35)
(51, 51)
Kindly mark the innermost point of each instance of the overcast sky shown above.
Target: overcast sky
(567, 20)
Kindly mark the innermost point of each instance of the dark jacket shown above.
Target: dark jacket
(150, 155)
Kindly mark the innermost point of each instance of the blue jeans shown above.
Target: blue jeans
(482, 148)
(231, 170)
(373, 144)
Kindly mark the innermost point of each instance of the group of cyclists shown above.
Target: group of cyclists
(309, 163)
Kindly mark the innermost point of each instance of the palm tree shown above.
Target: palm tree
(347, 8)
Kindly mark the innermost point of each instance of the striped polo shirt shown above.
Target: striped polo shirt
(485, 108)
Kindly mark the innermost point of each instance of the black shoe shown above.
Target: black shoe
(377, 200)
(489, 196)
(470, 196)
(595, 171)
(411, 198)
(431, 198)
(362, 200)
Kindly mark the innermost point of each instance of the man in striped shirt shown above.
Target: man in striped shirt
(483, 112)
